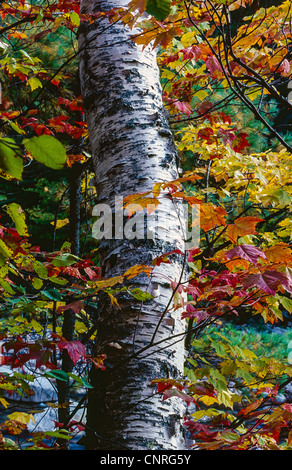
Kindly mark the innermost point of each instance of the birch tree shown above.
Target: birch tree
(132, 149)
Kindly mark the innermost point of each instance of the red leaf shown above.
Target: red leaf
(174, 392)
(183, 107)
(248, 252)
(240, 142)
(75, 306)
(206, 134)
(191, 312)
(192, 52)
(269, 281)
(76, 350)
(213, 64)
(164, 258)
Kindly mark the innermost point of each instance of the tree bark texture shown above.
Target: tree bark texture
(132, 149)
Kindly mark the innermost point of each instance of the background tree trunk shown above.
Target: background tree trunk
(132, 148)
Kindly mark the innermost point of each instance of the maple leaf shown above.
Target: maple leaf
(138, 202)
(138, 269)
(183, 107)
(240, 142)
(242, 226)
(98, 362)
(166, 384)
(213, 64)
(139, 5)
(75, 306)
(247, 252)
(164, 258)
(211, 216)
(192, 52)
(268, 281)
(191, 312)
(192, 253)
(206, 134)
(174, 392)
(280, 253)
(76, 350)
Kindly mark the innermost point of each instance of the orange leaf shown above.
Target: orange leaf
(279, 253)
(211, 216)
(139, 202)
(241, 227)
(139, 5)
(138, 269)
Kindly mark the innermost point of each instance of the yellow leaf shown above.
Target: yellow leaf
(4, 402)
(187, 39)
(208, 400)
(60, 223)
(108, 282)
(113, 300)
(34, 83)
(21, 417)
(74, 18)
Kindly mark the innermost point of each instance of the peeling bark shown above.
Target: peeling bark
(132, 148)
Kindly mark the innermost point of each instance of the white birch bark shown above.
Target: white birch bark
(132, 148)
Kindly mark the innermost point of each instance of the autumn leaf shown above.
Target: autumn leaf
(242, 226)
(183, 107)
(240, 142)
(23, 418)
(139, 5)
(138, 269)
(17, 214)
(75, 306)
(174, 392)
(103, 283)
(280, 253)
(139, 202)
(76, 350)
(60, 223)
(213, 64)
(165, 257)
(247, 252)
(211, 216)
(34, 83)
(268, 281)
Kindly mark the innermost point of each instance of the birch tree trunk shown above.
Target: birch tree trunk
(132, 148)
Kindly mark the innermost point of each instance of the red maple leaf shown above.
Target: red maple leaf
(248, 252)
(268, 281)
(240, 142)
(76, 350)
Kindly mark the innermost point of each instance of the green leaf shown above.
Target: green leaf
(48, 150)
(287, 303)
(66, 259)
(52, 294)
(10, 161)
(5, 251)
(75, 19)
(60, 434)
(81, 380)
(40, 269)
(160, 9)
(17, 214)
(57, 374)
(140, 294)
(37, 283)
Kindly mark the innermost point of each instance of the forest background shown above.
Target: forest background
(225, 76)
